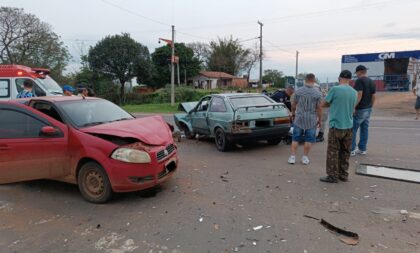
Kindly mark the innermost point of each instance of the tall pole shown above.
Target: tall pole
(173, 67)
(179, 76)
(261, 54)
(297, 68)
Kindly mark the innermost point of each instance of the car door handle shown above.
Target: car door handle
(4, 147)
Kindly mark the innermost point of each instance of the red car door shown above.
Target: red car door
(32, 146)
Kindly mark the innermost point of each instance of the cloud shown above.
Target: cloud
(390, 24)
(406, 35)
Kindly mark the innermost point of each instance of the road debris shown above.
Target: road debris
(115, 243)
(5, 206)
(201, 219)
(335, 207)
(400, 174)
(404, 212)
(224, 178)
(383, 246)
(257, 228)
(414, 215)
(347, 237)
(311, 217)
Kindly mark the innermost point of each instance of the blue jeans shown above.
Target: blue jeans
(308, 135)
(361, 119)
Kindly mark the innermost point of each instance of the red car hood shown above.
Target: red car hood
(150, 130)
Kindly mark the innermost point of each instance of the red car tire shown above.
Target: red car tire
(93, 183)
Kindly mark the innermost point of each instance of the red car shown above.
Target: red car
(90, 142)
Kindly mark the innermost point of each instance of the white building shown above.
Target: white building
(389, 70)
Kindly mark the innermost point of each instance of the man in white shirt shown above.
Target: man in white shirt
(416, 91)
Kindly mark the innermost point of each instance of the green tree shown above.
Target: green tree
(274, 77)
(26, 40)
(121, 58)
(251, 60)
(227, 55)
(201, 52)
(162, 61)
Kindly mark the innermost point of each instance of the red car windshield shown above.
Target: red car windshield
(84, 113)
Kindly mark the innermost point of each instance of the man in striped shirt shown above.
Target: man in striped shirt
(307, 116)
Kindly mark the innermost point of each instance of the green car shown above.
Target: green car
(235, 118)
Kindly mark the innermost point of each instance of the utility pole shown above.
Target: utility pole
(261, 54)
(179, 76)
(297, 68)
(173, 67)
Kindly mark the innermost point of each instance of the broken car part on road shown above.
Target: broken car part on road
(400, 174)
(347, 237)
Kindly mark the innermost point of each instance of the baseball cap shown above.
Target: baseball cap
(290, 86)
(68, 88)
(345, 74)
(360, 68)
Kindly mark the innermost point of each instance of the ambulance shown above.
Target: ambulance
(13, 76)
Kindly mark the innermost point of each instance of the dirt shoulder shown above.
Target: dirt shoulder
(394, 104)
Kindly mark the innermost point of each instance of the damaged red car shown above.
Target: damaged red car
(90, 142)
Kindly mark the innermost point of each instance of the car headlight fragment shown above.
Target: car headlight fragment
(129, 155)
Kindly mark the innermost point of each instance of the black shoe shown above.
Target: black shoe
(344, 179)
(328, 179)
(320, 137)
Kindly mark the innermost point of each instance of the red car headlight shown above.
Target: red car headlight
(129, 155)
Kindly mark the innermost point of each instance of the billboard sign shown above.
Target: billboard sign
(375, 57)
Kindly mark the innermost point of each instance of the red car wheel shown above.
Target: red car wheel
(93, 183)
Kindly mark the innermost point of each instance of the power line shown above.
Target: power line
(278, 47)
(254, 38)
(135, 13)
(322, 12)
(194, 36)
(314, 13)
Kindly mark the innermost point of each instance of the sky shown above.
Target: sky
(321, 30)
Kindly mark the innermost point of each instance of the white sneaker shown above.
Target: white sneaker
(305, 160)
(354, 152)
(292, 159)
(361, 152)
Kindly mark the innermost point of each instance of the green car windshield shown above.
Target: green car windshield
(250, 101)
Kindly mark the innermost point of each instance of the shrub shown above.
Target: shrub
(182, 94)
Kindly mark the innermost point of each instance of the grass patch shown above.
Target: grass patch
(152, 108)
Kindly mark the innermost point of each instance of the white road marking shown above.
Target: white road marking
(396, 128)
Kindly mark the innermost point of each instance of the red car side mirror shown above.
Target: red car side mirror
(48, 131)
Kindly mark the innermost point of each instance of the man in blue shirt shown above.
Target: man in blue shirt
(27, 89)
(283, 96)
(341, 100)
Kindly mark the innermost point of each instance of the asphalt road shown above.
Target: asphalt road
(247, 200)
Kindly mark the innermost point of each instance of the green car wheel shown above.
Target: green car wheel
(222, 143)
